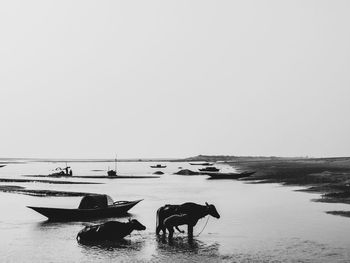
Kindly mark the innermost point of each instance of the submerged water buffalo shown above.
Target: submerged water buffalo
(112, 230)
(170, 216)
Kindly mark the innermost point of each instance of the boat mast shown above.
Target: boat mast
(115, 164)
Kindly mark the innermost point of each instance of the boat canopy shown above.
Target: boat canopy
(95, 201)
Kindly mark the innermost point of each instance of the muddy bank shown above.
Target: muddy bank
(43, 193)
(339, 213)
(99, 176)
(7, 180)
(329, 177)
(120, 177)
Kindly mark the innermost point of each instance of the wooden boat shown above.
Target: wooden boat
(229, 175)
(91, 206)
(113, 172)
(158, 166)
(203, 164)
(209, 169)
(67, 171)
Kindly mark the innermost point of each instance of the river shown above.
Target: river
(259, 222)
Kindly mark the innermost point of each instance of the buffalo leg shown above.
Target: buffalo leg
(164, 230)
(190, 231)
(171, 233)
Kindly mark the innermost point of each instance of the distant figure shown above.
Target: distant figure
(112, 230)
(70, 172)
(170, 216)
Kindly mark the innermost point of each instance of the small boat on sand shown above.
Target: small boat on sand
(209, 169)
(91, 206)
(113, 172)
(158, 166)
(229, 175)
(60, 172)
(203, 164)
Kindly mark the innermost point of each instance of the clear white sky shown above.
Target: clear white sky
(86, 79)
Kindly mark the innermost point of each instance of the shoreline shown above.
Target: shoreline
(329, 177)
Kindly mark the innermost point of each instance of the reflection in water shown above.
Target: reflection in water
(126, 244)
(150, 247)
(84, 222)
(181, 244)
(183, 249)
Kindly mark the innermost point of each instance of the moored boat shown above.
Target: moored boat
(203, 164)
(209, 169)
(229, 175)
(158, 166)
(91, 206)
(111, 172)
(60, 172)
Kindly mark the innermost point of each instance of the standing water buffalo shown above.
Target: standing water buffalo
(170, 216)
(108, 231)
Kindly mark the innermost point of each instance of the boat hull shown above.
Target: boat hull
(209, 170)
(203, 164)
(65, 214)
(229, 175)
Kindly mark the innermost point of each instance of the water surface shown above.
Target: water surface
(259, 222)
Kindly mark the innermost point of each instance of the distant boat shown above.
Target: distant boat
(204, 164)
(67, 171)
(209, 169)
(91, 206)
(229, 175)
(158, 166)
(113, 172)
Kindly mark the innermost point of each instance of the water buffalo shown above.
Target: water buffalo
(170, 216)
(112, 230)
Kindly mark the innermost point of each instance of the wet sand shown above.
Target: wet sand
(99, 176)
(120, 177)
(43, 193)
(7, 180)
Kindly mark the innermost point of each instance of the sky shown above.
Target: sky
(91, 79)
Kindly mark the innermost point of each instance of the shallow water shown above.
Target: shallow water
(259, 222)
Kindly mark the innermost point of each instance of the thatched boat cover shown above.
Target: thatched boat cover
(95, 201)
